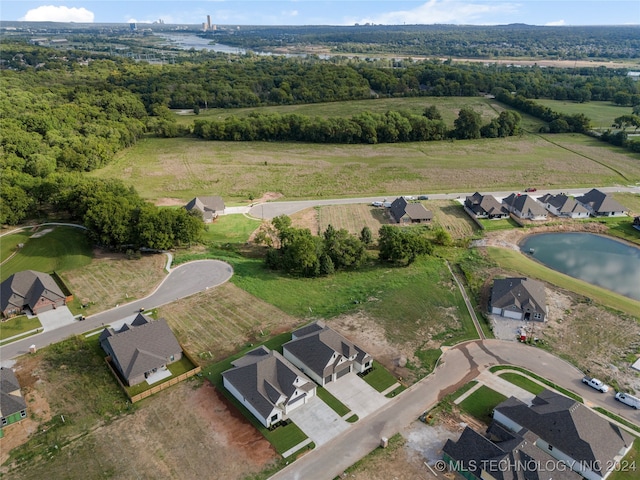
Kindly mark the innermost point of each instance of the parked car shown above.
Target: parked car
(595, 383)
(387, 204)
(531, 189)
(409, 197)
(423, 197)
(376, 204)
(628, 400)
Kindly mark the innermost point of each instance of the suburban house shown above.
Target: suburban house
(325, 355)
(601, 204)
(208, 207)
(501, 455)
(139, 349)
(525, 207)
(30, 291)
(268, 385)
(403, 212)
(519, 299)
(563, 206)
(13, 407)
(485, 206)
(568, 431)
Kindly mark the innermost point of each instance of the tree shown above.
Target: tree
(467, 125)
(432, 113)
(442, 237)
(626, 121)
(365, 235)
(402, 245)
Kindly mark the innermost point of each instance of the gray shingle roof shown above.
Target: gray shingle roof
(11, 399)
(25, 289)
(142, 348)
(210, 204)
(417, 211)
(563, 203)
(315, 347)
(525, 204)
(485, 205)
(263, 376)
(398, 208)
(600, 202)
(569, 426)
(519, 293)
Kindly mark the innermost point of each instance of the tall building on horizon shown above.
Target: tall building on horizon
(208, 22)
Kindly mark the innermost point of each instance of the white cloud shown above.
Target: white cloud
(50, 13)
(557, 23)
(442, 11)
(289, 13)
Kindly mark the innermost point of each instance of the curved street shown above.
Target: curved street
(458, 365)
(182, 281)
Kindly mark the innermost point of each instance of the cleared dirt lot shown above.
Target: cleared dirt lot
(188, 431)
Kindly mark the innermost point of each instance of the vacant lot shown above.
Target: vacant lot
(353, 218)
(112, 278)
(214, 324)
(600, 113)
(182, 168)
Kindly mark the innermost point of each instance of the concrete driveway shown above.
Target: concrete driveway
(56, 318)
(318, 421)
(357, 394)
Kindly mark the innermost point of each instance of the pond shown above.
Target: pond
(593, 258)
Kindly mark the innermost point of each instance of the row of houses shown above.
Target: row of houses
(553, 438)
(270, 384)
(593, 203)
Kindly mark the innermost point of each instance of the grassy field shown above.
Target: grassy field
(214, 324)
(494, 225)
(9, 243)
(17, 325)
(448, 107)
(111, 279)
(523, 382)
(62, 249)
(379, 378)
(513, 261)
(480, 404)
(352, 218)
(182, 168)
(230, 229)
(600, 113)
(450, 215)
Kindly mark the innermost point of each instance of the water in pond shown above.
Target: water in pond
(593, 258)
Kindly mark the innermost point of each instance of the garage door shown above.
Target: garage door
(327, 379)
(342, 373)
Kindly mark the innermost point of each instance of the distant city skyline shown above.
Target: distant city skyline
(314, 12)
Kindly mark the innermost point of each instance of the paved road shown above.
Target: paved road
(273, 209)
(458, 365)
(182, 281)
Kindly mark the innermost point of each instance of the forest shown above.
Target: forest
(67, 112)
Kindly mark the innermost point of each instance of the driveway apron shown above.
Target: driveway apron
(357, 394)
(318, 421)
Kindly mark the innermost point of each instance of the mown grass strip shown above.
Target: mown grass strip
(379, 377)
(549, 383)
(480, 404)
(336, 405)
(618, 419)
(522, 382)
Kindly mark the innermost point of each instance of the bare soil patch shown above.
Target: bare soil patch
(172, 425)
(307, 218)
(169, 202)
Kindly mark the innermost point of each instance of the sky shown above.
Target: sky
(317, 12)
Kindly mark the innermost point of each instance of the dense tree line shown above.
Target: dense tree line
(364, 127)
(450, 40)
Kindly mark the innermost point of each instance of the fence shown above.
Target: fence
(63, 286)
(159, 387)
(473, 217)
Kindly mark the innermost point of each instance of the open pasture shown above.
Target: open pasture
(600, 113)
(182, 168)
(353, 218)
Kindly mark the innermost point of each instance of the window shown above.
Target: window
(274, 418)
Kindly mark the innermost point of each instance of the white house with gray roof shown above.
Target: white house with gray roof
(600, 204)
(525, 207)
(519, 299)
(325, 355)
(568, 431)
(268, 385)
(563, 206)
(140, 348)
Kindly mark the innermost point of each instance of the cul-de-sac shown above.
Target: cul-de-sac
(242, 244)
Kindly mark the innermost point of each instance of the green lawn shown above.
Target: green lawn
(65, 248)
(629, 468)
(17, 325)
(516, 262)
(177, 368)
(336, 405)
(503, 224)
(380, 378)
(523, 382)
(600, 113)
(564, 391)
(9, 243)
(480, 404)
(621, 227)
(230, 229)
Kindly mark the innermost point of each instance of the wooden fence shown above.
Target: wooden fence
(473, 217)
(160, 386)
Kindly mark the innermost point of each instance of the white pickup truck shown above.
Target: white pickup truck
(595, 383)
(628, 400)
